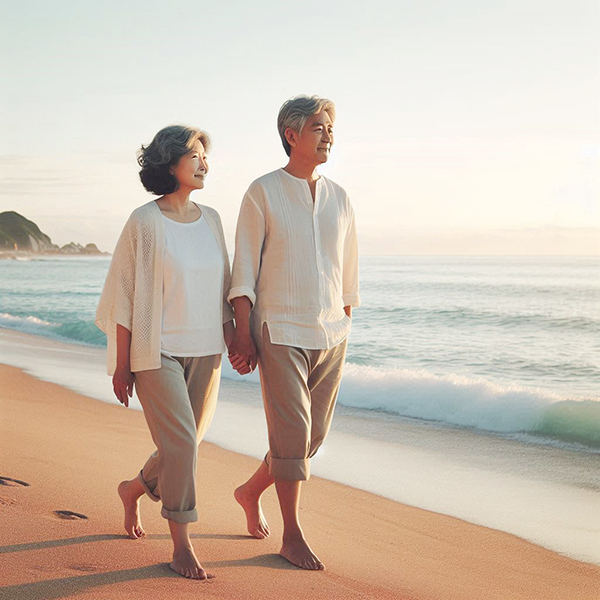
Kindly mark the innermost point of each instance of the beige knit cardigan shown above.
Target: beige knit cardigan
(133, 290)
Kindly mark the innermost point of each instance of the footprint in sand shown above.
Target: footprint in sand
(70, 515)
(86, 568)
(7, 502)
(9, 481)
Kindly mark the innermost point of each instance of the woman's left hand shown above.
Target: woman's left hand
(123, 384)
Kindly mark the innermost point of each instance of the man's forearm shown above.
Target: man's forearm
(348, 311)
(242, 307)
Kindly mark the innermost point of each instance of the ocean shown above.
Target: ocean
(509, 345)
(471, 386)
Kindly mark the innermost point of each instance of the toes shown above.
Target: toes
(314, 565)
(135, 533)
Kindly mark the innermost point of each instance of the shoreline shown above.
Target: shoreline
(373, 547)
(22, 254)
(551, 492)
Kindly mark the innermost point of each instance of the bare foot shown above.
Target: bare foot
(297, 551)
(256, 522)
(131, 504)
(186, 564)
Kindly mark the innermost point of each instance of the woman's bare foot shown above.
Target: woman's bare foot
(129, 491)
(256, 522)
(296, 549)
(186, 564)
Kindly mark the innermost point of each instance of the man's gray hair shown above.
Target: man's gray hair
(295, 112)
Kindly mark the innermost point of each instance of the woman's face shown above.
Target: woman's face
(191, 170)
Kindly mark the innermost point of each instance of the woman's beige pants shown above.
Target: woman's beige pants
(179, 402)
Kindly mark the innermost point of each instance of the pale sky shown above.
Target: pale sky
(464, 127)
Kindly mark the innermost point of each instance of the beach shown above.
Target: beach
(463, 459)
(72, 451)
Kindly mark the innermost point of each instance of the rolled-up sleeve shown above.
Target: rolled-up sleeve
(249, 239)
(350, 294)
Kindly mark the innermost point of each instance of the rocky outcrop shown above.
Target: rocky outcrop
(18, 234)
(73, 248)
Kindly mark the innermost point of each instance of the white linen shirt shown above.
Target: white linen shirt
(297, 260)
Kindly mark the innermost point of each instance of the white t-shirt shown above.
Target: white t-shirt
(192, 290)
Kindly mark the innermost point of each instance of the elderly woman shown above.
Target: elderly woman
(167, 320)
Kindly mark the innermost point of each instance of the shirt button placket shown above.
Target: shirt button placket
(319, 259)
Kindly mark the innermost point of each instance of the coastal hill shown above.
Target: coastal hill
(18, 234)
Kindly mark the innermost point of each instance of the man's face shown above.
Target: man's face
(314, 142)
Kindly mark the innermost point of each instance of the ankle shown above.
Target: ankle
(183, 548)
(293, 534)
(247, 492)
(132, 491)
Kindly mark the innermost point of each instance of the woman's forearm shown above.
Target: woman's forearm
(228, 333)
(123, 347)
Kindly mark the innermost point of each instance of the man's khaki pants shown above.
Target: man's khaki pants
(300, 388)
(179, 402)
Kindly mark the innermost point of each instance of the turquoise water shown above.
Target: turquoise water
(509, 345)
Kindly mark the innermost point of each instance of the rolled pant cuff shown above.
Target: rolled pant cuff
(147, 489)
(290, 469)
(180, 516)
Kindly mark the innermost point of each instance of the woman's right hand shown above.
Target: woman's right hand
(123, 384)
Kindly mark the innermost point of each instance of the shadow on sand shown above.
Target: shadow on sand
(68, 586)
(86, 539)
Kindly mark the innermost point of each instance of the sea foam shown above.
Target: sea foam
(476, 403)
(464, 402)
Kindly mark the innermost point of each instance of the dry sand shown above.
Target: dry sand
(72, 452)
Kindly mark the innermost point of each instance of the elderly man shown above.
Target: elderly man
(294, 283)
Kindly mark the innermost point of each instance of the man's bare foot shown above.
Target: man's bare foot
(131, 503)
(296, 549)
(186, 564)
(256, 522)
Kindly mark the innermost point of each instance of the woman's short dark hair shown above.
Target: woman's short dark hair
(164, 152)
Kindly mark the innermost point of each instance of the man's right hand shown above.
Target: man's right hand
(123, 385)
(243, 346)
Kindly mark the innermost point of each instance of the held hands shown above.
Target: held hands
(123, 385)
(242, 353)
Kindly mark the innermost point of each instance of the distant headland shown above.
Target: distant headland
(19, 236)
